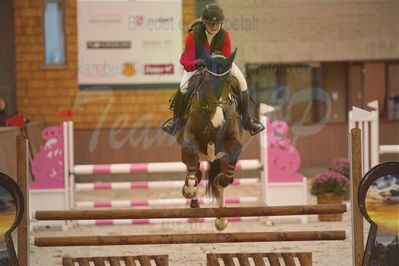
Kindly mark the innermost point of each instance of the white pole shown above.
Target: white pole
(71, 175)
(389, 149)
(366, 147)
(264, 175)
(66, 165)
(374, 134)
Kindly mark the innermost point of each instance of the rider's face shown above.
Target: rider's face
(213, 28)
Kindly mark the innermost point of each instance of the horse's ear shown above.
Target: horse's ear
(230, 59)
(204, 54)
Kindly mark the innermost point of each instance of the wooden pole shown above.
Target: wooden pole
(190, 213)
(188, 238)
(357, 225)
(22, 178)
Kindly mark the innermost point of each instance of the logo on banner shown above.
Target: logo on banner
(151, 24)
(158, 69)
(129, 69)
(108, 44)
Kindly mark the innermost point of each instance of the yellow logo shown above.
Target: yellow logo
(129, 69)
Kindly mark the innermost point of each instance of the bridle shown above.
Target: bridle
(217, 74)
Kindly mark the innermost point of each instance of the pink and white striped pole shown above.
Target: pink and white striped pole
(166, 167)
(158, 202)
(159, 221)
(151, 184)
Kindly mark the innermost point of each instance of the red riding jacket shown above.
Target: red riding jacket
(220, 42)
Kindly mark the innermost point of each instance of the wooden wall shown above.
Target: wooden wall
(152, 145)
(42, 90)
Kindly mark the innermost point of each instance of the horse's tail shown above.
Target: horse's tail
(213, 171)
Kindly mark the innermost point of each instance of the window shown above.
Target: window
(54, 35)
(392, 95)
(294, 90)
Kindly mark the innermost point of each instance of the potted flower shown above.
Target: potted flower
(341, 165)
(329, 187)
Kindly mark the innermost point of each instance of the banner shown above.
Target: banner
(129, 44)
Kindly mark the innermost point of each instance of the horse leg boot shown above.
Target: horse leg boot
(194, 201)
(191, 160)
(191, 184)
(226, 178)
(179, 106)
(249, 123)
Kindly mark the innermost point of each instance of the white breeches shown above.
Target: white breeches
(235, 71)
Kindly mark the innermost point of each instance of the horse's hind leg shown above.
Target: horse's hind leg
(226, 176)
(190, 156)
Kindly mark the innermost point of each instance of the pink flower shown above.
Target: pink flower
(329, 182)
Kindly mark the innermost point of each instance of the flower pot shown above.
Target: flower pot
(329, 198)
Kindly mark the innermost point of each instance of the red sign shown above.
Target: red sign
(158, 69)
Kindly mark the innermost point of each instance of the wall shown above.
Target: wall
(303, 31)
(281, 32)
(42, 91)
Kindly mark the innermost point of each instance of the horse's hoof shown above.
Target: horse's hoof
(221, 223)
(194, 204)
(189, 190)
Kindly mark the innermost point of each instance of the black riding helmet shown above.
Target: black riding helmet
(212, 14)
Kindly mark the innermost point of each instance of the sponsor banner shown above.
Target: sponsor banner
(129, 42)
(162, 69)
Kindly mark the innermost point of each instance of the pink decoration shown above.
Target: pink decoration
(139, 168)
(139, 185)
(141, 221)
(102, 169)
(139, 203)
(47, 164)
(284, 159)
(103, 186)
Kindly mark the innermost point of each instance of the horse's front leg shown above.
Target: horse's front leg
(190, 156)
(233, 150)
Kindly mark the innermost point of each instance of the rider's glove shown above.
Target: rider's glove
(200, 63)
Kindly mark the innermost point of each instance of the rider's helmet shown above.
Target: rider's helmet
(212, 14)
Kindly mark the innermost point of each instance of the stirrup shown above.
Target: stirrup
(255, 122)
(171, 131)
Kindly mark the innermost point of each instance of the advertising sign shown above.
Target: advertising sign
(129, 44)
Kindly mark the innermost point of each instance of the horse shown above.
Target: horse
(211, 129)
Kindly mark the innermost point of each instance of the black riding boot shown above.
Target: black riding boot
(179, 105)
(249, 123)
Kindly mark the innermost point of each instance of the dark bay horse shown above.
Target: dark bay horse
(212, 130)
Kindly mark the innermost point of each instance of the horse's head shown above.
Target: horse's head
(216, 87)
(218, 68)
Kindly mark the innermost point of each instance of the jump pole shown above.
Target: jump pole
(190, 213)
(189, 238)
(152, 184)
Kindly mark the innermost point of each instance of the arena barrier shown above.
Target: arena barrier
(357, 221)
(190, 238)
(272, 192)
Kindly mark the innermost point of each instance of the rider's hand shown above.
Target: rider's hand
(200, 63)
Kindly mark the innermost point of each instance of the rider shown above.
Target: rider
(208, 33)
